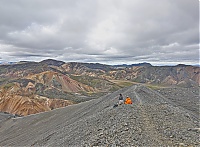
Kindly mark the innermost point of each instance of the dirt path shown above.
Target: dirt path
(149, 126)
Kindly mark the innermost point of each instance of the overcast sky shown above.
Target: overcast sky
(103, 31)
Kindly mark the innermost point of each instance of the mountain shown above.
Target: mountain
(181, 75)
(52, 62)
(152, 120)
(27, 96)
(185, 76)
(31, 87)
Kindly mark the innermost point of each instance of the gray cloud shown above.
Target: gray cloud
(111, 31)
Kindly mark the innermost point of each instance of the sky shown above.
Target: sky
(161, 32)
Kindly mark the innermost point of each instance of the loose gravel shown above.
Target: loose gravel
(152, 120)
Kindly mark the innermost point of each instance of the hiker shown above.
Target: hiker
(121, 99)
(128, 100)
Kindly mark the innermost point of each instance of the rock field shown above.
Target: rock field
(156, 118)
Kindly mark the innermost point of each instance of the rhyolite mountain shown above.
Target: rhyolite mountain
(32, 87)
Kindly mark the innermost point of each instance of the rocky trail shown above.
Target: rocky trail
(152, 120)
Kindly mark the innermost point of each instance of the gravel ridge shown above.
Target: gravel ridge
(152, 120)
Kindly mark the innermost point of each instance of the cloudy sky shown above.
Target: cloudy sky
(104, 31)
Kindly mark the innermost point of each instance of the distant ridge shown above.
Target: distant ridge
(139, 64)
(91, 65)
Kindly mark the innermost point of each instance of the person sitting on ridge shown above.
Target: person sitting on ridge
(121, 99)
(128, 100)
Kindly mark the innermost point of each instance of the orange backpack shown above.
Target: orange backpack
(128, 101)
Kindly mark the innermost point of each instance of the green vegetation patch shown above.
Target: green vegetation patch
(9, 85)
(155, 87)
(125, 84)
(98, 83)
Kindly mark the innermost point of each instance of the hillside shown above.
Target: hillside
(152, 120)
(180, 75)
(21, 97)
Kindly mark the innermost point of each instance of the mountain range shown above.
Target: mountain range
(33, 87)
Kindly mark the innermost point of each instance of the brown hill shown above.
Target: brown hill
(24, 105)
(19, 97)
(23, 100)
(54, 80)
